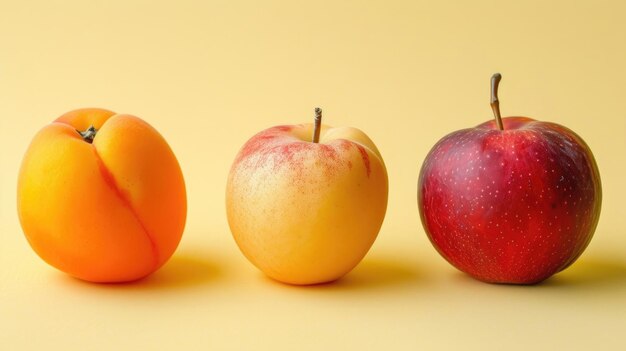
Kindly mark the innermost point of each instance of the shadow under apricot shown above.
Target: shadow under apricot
(182, 271)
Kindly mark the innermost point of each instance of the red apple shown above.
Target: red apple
(512, 200)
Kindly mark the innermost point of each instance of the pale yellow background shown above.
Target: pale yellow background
(210, 74)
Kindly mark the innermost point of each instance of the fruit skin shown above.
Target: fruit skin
(304, 212)
(111, 211)
(513, 206)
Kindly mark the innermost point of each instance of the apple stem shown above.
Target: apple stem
(495, 103)
(88, 134)
(317, 125)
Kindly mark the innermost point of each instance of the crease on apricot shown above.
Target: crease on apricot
(109, 179)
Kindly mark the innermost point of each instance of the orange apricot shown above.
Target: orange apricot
(101, 196)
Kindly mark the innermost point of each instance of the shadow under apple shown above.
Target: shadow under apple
(592, 271)
(378, 272)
